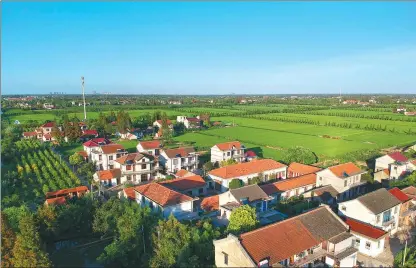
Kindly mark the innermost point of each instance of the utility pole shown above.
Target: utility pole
(404, 253)
(83, 96)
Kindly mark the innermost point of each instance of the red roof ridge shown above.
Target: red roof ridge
(399, 194)
(364, 228)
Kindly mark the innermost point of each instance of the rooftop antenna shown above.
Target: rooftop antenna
(83, 96)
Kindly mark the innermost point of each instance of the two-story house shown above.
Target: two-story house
(227, 150)
(149, 147)
(137, 167)
(179, 158)
(315, 238)
(345, 178)
(163, 200)
(94, 144)
(251, 195)
(189, 122)
(392, 166)
(267, 169)
(104, 156)
(158, 123)
(288, 188)
(190, 185)
(407, 209)
(379, 208)
(297, 169)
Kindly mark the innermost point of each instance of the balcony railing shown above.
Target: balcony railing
(317, 254)
(388, 222)
(185, 164)
(130, 172)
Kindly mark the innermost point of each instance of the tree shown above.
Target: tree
(27, 251)
(15, 214)
(410, 260)
(76, 159)
(242, 219)
(123, 121)
(228, 162)
(8, 238)
(56, 133)
(87, 170)
(179, 128)
(208, 166)
(235, 183)
(300, 154)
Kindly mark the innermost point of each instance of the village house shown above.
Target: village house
(184, 173)
(190, 185)
(88, 134)
(109, 177)
(369, 240)
(288, 188)
(59, 197)
(179, 158)
(392, 166)
(93, 144)
(189, 122)
(48, 106)
(297, 169)
(251, 195)
(30, 135)
(149, 147)
(345, 178)
(104, 156)
(324, 194)
(407, 209)
(317, 237)
(265, 169)
(166, 201)
(379, 208)
(350, 102)
(227, 150)
(158, 123)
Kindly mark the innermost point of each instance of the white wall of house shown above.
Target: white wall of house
(225, 182)
(154, 151)
(354, 209)
(343, 185)
(383, 162)
(369, 246)
(107, 161)
(174, 164)
(218, 155)
(397, 170)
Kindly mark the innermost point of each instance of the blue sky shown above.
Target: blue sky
(209, 47)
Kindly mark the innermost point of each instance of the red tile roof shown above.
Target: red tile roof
(226, 146)
(148, 145)
(30, 134)
(345, 169)
(90, 132)
(183, 173)
(47, 136)
(49, 124)
(193, 119)
(129, 193)
(56, 201)
(397, 156)
(289, 184)
(365, 229)
(162, 195)
(400, 194)
(243, 169)
(79, 189)
(96, 142)
(186, 183)
(112, 148)
(109, 174)
(83, 153)
(250, 154)
(302, 169)
(210, 203)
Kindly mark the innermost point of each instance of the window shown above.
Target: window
(100, 157)
(344, 208)
(201, 190)
(225, 258)
(228, 153)
(143, 200)
(378, 218)
(110, 157)
(128, 167)
(367, 245)
(345, 183)
(151, 205)
(320, 178)
(150, 152)
(378, 244)
(144, 160)
(357, 242)
(143, 177)
(175, 162)
(395, 210)
(144, 166)
(110, 166)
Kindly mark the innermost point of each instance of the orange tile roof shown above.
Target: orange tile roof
(399, 194)
(83, 153)
(161, 194)
(150, 144)
(109, 174)
(56, 201)
(210, 203)
(345, 169)
(111, 148)
(132, 157)
(243, 169)
(186, 183)
(167, 121)
(302, 168)
(289, 184)
(79, 189)
(387, 171)
(29, 134)
(228, 145)
(129, 193)
(183, 173)
(179, 152)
